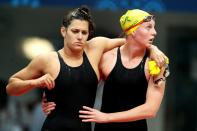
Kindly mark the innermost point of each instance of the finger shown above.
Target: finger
(52, 81)
(86, 116)
(48, 109)
(85, 112)
(48, 104)
(48, 83)
(88, 120)
(88, 108)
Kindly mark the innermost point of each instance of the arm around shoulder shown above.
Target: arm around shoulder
(107, 44)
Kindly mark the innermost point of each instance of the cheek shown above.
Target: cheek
(71, 37)
(143, 35)
(141, 38)
(85, 37)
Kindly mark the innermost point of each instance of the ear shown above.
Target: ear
(63, 31)
(133, 33)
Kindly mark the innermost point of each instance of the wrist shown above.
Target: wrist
(108, 118)
(162, 79)
(31, 84)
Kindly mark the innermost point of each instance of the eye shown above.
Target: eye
(149, 26)
(84, 32)
(75, 31)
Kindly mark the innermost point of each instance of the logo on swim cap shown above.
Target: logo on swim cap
(131, 20)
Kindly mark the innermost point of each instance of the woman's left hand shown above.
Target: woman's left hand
(89, 114)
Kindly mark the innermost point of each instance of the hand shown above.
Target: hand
(47, 107)
(158, 56)
(153, 68)
(92, 115)
(44, 81)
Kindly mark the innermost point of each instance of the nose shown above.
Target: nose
(154, 32)
(80, 35)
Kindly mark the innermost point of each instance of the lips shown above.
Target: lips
(151, 40)
(79, 43)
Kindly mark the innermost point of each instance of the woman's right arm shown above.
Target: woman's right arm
(29, 78)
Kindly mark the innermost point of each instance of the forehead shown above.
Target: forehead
(152, 22)
(79, 24)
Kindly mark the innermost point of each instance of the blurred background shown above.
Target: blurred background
(30, 27)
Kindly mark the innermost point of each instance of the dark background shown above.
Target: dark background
(177, 37)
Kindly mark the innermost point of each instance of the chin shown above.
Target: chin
(149, 44)
(78, 49)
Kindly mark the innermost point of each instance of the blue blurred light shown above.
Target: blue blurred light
(148, 5)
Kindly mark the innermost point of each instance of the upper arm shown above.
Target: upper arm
(33, 70)
(106, 44)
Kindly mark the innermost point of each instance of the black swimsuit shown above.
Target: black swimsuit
(74, 87)
(124, 89)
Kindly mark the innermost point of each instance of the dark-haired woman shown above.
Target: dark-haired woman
(70, 75)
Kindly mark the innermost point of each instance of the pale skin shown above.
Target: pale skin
(43, 70)
(131, 55)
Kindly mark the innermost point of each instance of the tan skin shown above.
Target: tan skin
(43, 70)
(131, 55)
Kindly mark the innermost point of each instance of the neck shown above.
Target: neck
(133, 50)
(71, 54)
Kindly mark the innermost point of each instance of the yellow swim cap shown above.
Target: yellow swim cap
(131, 20)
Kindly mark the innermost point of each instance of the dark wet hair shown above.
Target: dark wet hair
(81, 13)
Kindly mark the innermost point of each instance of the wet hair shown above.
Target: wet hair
(81, 13)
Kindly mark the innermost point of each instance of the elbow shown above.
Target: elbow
(8, 90)
(11, 91)
(151, 112)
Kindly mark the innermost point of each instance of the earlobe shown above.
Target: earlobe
(62, 31)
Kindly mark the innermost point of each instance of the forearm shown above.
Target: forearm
(137, 113)
(18, 87)
(157, 55)
(113, 43)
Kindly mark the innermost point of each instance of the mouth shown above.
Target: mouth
(79, 43)
(151, 40)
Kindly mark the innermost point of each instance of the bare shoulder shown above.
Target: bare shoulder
(46, 57)
(110, 53)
